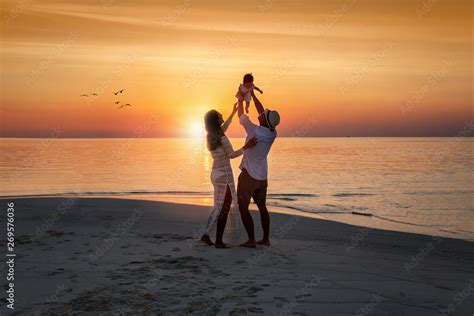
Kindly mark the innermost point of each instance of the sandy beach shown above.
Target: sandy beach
(116, 256)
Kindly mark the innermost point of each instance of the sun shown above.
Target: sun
(196, 129)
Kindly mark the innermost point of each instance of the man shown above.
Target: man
(253, 178)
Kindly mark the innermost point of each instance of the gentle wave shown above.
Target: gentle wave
(285, 197)
(351, 194)
(276, 196)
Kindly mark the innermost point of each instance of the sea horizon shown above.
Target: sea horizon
(236, 137)
(409, 184)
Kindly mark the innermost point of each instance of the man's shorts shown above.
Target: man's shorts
(249, 187)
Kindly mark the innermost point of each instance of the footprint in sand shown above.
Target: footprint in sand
(238, 311)
(253, 290)
(55, 233)
(255, 310)
(303, 295)
(24, 239)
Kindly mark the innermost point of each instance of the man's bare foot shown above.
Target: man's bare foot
(207, 240)
(249, 244)
(264, 242)
(221, 246)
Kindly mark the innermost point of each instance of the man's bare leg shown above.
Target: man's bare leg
(265, 219)
(244, 196)
(248, 224)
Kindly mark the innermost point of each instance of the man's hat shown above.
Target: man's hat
(272, 117)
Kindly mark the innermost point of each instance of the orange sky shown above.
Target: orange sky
(331, 68)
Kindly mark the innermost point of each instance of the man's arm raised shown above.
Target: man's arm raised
(240, 108)
(258, 104)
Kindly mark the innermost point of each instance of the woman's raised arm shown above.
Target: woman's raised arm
(227, 123)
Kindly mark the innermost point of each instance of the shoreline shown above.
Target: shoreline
(134, 256)
(203, 199)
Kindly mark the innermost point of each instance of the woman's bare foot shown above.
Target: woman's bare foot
(207, 240)
(249, 244)
(221, 246)
(264, 242)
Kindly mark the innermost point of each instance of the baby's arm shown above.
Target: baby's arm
(258, 89)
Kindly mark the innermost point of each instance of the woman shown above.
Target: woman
(221, 176)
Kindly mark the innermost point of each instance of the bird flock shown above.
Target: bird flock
(115, 102)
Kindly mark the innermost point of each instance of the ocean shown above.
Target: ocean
(418, 185)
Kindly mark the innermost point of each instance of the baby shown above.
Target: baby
(245, 89)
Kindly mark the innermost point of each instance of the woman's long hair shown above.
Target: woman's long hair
(214, 130)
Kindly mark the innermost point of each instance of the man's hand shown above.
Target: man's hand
(257, 103)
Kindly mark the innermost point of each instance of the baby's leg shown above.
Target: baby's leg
(247, 105)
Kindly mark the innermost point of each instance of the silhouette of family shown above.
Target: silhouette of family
(252, 181)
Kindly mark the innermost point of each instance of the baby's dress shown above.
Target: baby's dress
(244, 94)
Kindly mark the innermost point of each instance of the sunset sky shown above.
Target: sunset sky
(331, 68)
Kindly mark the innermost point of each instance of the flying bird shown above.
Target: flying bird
(83, 95)
(124, 105)
(120, 91)
(94, 94)
(117, 102)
